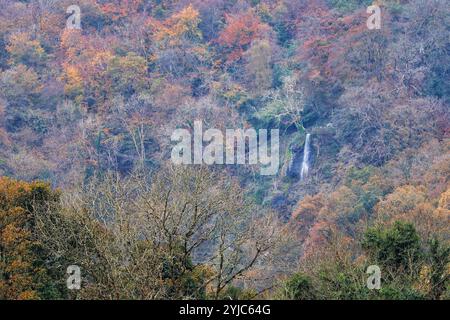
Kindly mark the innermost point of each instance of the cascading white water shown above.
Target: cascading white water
(305, 163)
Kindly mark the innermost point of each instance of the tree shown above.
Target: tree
(177, 46)
(241, 30)
(336, 270)
(152, 233)
(412, 267)
(20, 85)
(259, 69)
(24, 271)
(298, 287)
(421, 63)
(397, 249)
(118, 10)
(284, 107)
(128, 74)
(439, 276)
(24, 50)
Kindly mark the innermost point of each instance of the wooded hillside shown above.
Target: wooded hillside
(86, 117)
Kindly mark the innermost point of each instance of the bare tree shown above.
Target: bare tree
(138, 239)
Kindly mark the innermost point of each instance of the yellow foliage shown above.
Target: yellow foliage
(402, 200)
(28, 295)
(444, 202)
(18, 247)
(24, 50)
(73, 79)
(182, 24)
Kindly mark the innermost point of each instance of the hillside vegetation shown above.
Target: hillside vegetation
(86, 179)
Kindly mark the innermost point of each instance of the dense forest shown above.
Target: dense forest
(86, 177)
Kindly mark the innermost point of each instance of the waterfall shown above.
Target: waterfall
(305, 163)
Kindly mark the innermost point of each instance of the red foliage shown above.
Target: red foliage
(326, 46)
(120, 9)
(239, 33)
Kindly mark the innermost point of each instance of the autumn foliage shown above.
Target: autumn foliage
(22, 271)
(239, 32)
(79, 105)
